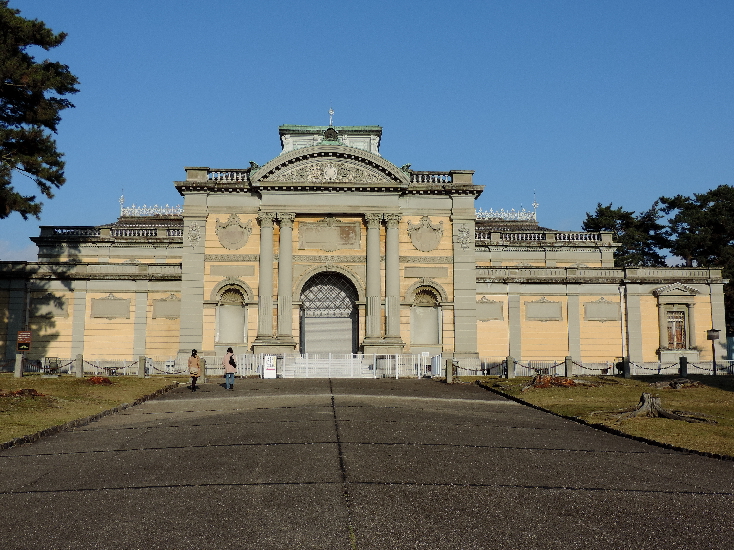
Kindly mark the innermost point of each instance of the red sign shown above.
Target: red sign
(24, 340)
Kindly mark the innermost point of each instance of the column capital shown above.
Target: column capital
(286, 218)
(392, 220)
(373, 220)
(266, 218)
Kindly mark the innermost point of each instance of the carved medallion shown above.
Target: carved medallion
(232, 234)
(424, 235)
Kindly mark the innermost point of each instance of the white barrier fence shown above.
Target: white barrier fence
(363, 366)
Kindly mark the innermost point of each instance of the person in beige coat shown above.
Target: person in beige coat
(194, 369)
(230, 369)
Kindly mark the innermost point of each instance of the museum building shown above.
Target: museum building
(330, 248)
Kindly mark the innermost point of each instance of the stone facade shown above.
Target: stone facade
(331, 248)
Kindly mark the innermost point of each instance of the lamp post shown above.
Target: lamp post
(713, 335)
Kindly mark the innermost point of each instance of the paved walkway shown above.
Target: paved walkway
(355, 464)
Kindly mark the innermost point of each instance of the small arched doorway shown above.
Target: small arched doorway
(329, 316)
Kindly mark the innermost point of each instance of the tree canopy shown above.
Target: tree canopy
(699, 230)
(31, 98)
(640, 236)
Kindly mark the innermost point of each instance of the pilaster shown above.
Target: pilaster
(285, 278)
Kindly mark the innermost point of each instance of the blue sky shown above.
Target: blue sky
(579, 102)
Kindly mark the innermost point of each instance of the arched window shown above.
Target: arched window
(425, 318)
(231, 317)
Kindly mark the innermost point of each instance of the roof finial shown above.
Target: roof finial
(331, 117)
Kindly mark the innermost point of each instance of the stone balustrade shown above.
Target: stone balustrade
(228, 175)
(487, 234)
(70, 231)
(431, 177)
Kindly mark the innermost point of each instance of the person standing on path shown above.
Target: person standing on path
(194, 369)
(230, 368)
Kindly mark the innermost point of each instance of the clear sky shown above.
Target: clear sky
(579, 102)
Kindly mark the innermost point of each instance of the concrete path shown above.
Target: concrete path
(355, 464)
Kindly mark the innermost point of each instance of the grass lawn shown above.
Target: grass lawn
(601, 404)
(66, 398)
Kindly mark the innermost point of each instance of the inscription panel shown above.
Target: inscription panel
(543, 310)
(601, 310)
(426, 272)
(329, 235)
(111, 307)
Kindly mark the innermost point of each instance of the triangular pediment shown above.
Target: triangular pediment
(326, 165)
(675, 289)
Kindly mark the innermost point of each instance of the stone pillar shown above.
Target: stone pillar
(392, 277)
(79, 365)
(691, 326)
(373, 276)
(663, 326)
(265, 283)
(285, 276)
(192, 274)
(18, 372)
(141, 366)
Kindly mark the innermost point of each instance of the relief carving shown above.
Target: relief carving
(232, 234)
(327, 171)
(424, 235)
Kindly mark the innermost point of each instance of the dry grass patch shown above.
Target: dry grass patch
(64, 399)
(603, 402)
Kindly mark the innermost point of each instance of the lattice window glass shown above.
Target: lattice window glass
(328, 294)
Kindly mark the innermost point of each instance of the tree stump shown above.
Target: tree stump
(650, 407)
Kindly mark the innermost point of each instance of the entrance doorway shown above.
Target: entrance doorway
(329, 317)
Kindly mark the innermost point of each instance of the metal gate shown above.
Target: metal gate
(329, 318)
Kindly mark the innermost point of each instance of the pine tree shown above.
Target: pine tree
(31, 98)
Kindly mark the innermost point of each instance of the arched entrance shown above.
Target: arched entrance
(329, 317)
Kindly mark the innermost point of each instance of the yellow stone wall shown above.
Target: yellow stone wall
(600, 341)
(51, 335)
(544, 339)
(108, 338)
(161, 337)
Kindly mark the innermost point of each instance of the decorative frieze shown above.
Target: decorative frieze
(231, 257)
(426, 259)
(335, 259)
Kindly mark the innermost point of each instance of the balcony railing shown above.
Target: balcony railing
(486, 234)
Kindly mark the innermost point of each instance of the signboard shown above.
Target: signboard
(269, 366)
(24, 340)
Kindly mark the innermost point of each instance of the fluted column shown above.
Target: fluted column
(373, 275)
(392, 276)
(285, 275)
(265, 284)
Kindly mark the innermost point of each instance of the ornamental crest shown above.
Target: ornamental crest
(424, 235)
(328, 171)
(232, 234)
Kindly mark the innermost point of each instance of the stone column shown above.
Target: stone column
(265, 283)
(285, 276)
(392, 277)
(373, 275)
(691, 326)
